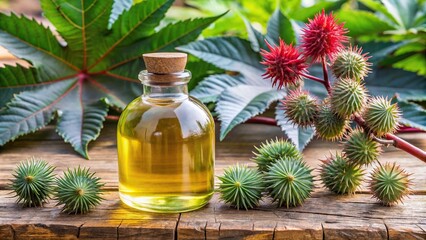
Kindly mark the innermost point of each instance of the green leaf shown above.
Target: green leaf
(256, 38)
(80, 123)
(166, 39)
(389, 82)
(238, 104)
(15, 80)
(303, 13)
(30, 111)
(89, 67)
(403, 11)
(300, 137)
(77, 22)
(414, 63)
(411, 47)
(229, 53)
(413, 115)
(362, 22)
(17, 34)
(377, 6)
(405, 15)
(380, 50)
(135, 24)
(212, 86)
(279, 25)
(117, 9)
(199, 70)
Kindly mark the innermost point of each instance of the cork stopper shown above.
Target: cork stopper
(165, 62)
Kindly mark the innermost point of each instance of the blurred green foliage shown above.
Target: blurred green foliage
(400, 24)
(257, 12)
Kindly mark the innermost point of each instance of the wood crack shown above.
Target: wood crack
(118, 228)
(275, 229)
(79, 229)
(175, 237)
(205, 231)
(13, 232)
(387, 231)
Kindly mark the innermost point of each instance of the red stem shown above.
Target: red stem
(406, 146)
(312, 78)
(326, 80)
(262, 120)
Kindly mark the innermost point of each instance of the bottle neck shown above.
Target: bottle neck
(165, 92)
(165, 87)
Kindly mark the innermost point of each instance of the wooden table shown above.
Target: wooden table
(323, 216)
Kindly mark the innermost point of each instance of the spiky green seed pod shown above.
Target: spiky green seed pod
(381, 116)
(289, 182)
(328, 124)
(339, 176)
(347, 97)
(351, 63)
(271, 151)
(301, 108)
(78, 190)
(389, 183)
(241, 187)
(361, 149)
(32, 182)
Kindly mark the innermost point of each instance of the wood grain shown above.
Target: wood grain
(324, 215)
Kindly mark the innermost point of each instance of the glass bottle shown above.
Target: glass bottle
(165, 141)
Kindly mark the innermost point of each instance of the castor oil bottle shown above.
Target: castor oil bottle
(165, 141)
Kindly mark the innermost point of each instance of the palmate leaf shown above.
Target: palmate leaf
(126, 60)
(117, 8)
(14, 79)
(27, 39)
(280, 25)
(362, 22)
(94, 65)
(212, 86)
(413, 115)
(238, 104)
(30, 111)
(256, 38)
(229, 53)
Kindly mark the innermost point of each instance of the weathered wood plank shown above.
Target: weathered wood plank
(403, 231)
(365, 230)
(295, 229)
(337, 217)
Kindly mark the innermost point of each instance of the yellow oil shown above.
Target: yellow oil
(166, 155)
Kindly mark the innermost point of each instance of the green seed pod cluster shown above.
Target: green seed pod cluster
(241, 187)
(272, 150)
(339, 176)
(348, 97)
(289, 182)
(360, 148)
(78, 190)
(389, 183)
(33, 182)
(301, 108)
(351, 63)
(281, 173)
(381, 116)
(328, 124)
